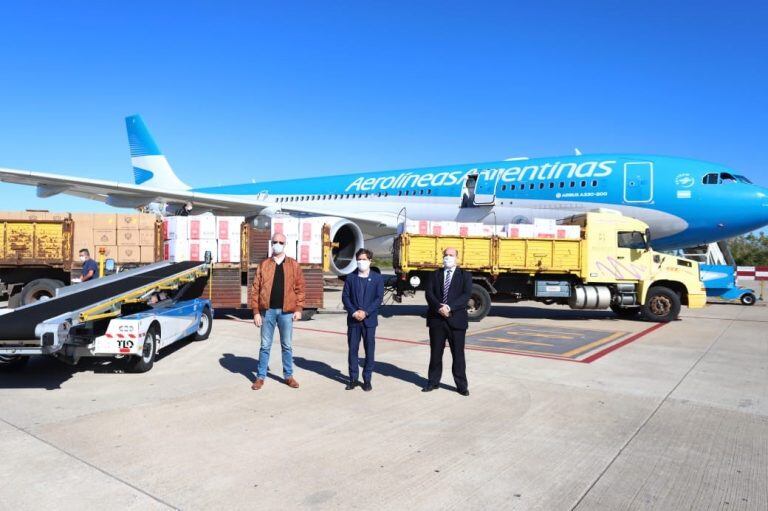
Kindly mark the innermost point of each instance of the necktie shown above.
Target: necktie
(447, 284)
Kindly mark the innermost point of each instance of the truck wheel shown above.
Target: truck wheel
(661, 305)
(625, 312)
(12, 362)
(479, 303)
(204, 326)
(748, 299)
(39, 289)
(144, 362)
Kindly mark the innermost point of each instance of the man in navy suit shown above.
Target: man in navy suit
(447, 295)
(362, 295)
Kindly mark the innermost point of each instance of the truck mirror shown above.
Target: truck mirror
(647, 238)
(208, 257)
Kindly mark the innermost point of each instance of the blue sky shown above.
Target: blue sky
(264, 90)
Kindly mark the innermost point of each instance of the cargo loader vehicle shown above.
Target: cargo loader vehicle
(128, 315)
(611, 266)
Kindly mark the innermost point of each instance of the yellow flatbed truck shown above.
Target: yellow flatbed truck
(611, 266)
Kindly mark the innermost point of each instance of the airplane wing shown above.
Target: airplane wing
(134, 196)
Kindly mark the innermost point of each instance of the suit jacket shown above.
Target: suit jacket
(458, 296)
(372, 297)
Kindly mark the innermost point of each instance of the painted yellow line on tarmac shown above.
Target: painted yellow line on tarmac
(587, 347)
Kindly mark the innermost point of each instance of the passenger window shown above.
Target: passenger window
(512, 187)
(633, 239)
(594, 183)
(573, 184)
(551, 184)
(583, 184)
(562, 184)
(541, 186)
(503, 188)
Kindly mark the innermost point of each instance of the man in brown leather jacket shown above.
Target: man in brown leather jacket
(277, 299)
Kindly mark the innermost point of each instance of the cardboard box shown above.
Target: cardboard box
(414, 227)
(147, 221)
(176, 250)
(58, 217)
(544, 222)
(520, 231)
(472, 229)
(287, 226)
(35, 215)
(105, 237)
(127, 237)
(176, 228)
(128, 221)
(568, 232)
(147, 237)
(310, 252)
(311, 230)
(228, 227)
(147, 254)
(110, 252)
(103, 221)
(83, 222)
(444, 228)
(198, 248)
(228, 252)
(129, 254)
(202, 227)
(82, 240)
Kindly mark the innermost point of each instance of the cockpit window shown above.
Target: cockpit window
(713, 178)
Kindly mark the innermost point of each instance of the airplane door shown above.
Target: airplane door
(485, 189)
(638, 181)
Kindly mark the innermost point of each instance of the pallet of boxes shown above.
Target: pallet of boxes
(189, 238)
(305, 241)
(131, 239)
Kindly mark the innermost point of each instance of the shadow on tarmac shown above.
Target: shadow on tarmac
(380, 368)
(247, 366)
(509, 312)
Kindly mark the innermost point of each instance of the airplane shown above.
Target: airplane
(685, 202)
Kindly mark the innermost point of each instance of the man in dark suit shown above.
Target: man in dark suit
(362, 295)
(447, 295)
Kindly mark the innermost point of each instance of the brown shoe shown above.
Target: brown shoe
(291, 382)
(257, 384)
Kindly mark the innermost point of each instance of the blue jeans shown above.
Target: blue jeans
(284, 323)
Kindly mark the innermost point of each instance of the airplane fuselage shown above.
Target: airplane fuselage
(685, 202)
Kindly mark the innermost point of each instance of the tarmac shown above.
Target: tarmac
(672, 417)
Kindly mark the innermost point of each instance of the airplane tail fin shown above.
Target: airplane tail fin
(150, 167)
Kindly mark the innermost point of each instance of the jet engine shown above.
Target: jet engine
(347, 238)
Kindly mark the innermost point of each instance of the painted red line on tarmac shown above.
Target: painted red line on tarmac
(618, 345)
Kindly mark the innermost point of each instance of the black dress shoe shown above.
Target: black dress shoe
(463, 392)
(429, 388)
(367, 387)
(351, 385)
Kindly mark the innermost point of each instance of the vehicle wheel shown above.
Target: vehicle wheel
(748, 299)
(661, 305)
(12, 362)
(144, 362)
(39, 289)
(626, 312)
(307, 314)
(479, 303)
(204, 326)
(14, 302)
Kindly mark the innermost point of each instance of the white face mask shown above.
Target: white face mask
(277, 248)
(449, 261)
(363, 265)
(82, 259)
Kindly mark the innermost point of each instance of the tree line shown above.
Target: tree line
(750, 249)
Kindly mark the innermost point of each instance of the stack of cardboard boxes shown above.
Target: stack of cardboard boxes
(304, 238)
(127, 238)
(188, 238)
(541, 228)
